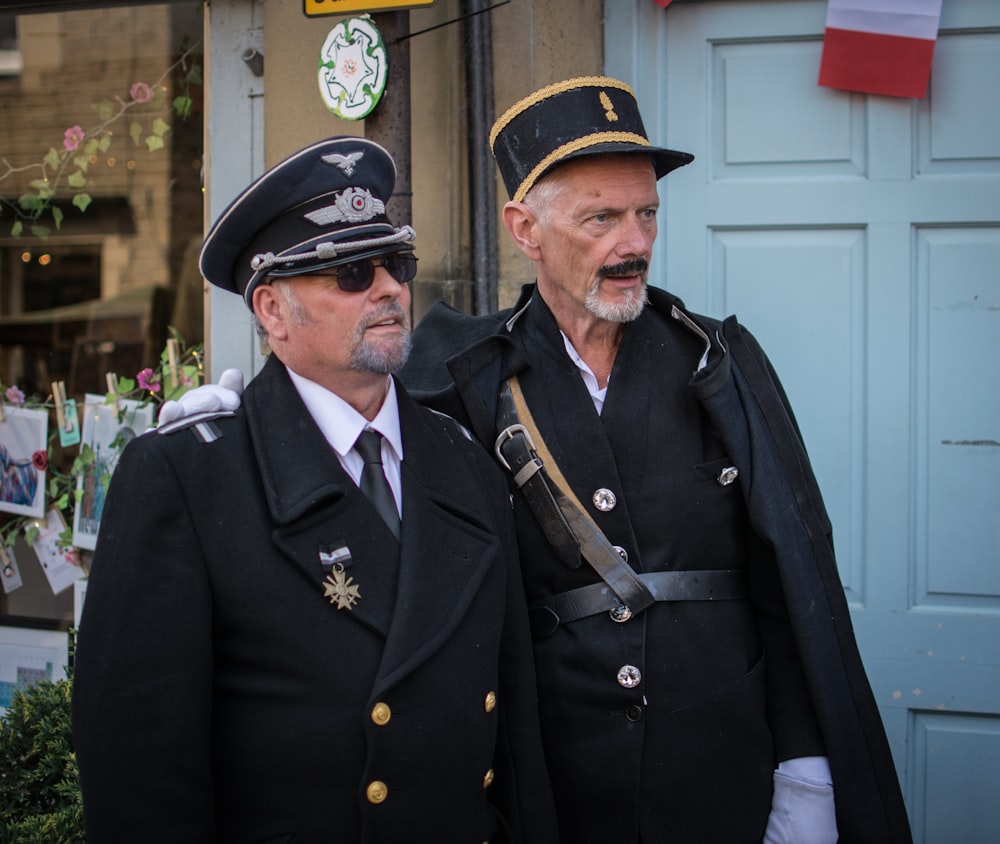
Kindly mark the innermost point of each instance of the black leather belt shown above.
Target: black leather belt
(707, 585)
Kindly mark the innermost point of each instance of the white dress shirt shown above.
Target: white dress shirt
(341, 424)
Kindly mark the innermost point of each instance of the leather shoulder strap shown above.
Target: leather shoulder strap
(568, 527)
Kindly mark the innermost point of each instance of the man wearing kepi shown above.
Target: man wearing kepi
(698, 675)
(283, 640)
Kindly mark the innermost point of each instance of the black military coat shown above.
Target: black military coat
(728, 689)
(221, 696)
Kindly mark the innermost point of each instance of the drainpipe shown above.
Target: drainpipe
(482, 182)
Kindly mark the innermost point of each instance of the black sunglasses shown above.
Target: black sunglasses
(358, 276)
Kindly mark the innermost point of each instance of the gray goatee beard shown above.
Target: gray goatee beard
(371, 356)
(634, 301)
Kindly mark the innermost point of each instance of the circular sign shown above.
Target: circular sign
(353, 68)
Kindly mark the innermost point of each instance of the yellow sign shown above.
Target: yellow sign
(314, 8)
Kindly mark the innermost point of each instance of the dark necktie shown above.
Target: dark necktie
(373, 480)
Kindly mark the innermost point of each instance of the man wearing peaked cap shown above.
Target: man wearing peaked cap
(705, 686)
(698, 676)
(305, 619)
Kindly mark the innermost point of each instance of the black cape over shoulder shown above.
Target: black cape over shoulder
(456, 366)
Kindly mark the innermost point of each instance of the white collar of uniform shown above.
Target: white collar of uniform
(341, 424)
(597, 394)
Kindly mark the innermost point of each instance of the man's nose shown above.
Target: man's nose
(637, 237)
(384, 286)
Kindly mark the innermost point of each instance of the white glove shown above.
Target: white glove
(208, 398)
(802, 807)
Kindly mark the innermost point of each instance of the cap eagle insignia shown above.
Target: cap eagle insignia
(347, 163)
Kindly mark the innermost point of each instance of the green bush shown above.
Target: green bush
(40, 799)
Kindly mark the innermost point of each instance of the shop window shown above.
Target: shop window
(10, 53)
(100, 223)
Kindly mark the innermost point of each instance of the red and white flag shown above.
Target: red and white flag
(880, 46)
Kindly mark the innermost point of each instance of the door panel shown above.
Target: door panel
(859, 239)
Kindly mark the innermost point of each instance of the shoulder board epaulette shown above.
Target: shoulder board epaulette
(202, 425)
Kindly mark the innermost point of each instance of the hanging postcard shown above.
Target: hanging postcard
(61, 563)
(10, 574)
(106, 432)
(23, 461)
(353, 68)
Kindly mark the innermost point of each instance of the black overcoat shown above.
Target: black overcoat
(727, 691)
(220, 695)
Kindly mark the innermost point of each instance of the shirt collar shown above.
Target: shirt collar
(341, 424)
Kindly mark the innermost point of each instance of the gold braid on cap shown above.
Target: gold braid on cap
(575, 146)
(551, 91)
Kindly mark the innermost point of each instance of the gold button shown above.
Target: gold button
(488, 778)
(377, 791)
(381, 713)
(491, 701)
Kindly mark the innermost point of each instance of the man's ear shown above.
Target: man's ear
(520, 222)
(269, 307)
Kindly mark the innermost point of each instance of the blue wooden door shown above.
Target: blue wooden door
(859, 238)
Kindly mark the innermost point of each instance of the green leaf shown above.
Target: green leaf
(40, 231)
(15, 230)
(182, 107)
(154, 143)
(61, 503)
(82, 162)
(82, 201)
(57, 216)
(193, 76)
(31, 535)
(135, 132)
(160, 127)
(52, 158)
(76, 180)
(53, 488)
(104, 109)
(91, 147)
(39, 184)
(104, 143)
(78, 494)
(126, 385)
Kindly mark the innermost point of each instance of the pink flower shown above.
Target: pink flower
(73, 137)
(148, 380)
(140, 92)
(14, 395)
(40, 460)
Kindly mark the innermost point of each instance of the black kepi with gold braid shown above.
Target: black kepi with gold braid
(587, 115)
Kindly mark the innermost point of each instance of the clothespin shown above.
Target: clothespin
(59, 396)
(112, 380)
(173, 352)
(4, 559)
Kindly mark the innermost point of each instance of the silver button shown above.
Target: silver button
(621, 552)
(727, 475)
(604, 499)
(621, 613)
(629, 676)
